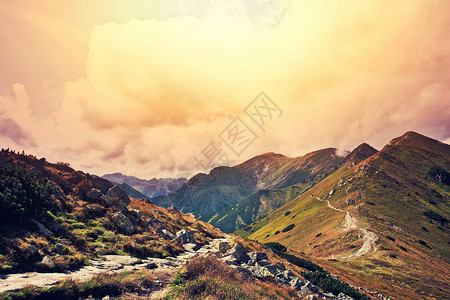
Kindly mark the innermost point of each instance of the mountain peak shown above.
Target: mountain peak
(412, 137)
(360, 153)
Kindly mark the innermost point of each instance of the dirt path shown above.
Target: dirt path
(111, 263)
(351, 222)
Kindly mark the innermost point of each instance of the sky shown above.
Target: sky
(169, 88)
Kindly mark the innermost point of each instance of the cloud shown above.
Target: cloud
(155, 92)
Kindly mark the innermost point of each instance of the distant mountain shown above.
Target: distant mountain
(131, 192)
(383, 217)
(224, 187)
(310, 169)
(150, 188)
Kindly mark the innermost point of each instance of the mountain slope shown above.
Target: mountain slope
(53, 218)
(150, 188)
(227, 186)
(383, 219)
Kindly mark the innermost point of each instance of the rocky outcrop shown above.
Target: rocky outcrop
(123, 224)
(93, 194)
(117, 192)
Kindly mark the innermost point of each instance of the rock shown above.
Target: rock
(230, 260)
(185, 236)
(146, 200)
(350, 201)
(272, 269)
(296, 283)
(135, 216)
(288, 274)
(238, 252)
(41, 228)
(224, 247)
(246, 273)
(331, 193)
(262, 263)
(151, 266)
(48, 261)
(117, 192)
(311, 297)
(260, 272)
(123, 223)
(161, 232)
(168, 234)
(106, 201)
(59, 248)
(191, 247)
(343, 296)
(257, 256)
(106, 298)
(93, 194)
(173, 208)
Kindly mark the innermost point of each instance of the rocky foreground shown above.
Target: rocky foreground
(253, 265)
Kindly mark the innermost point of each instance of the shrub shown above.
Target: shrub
(435, 216)
(22, 197)
(287, 228)
(276, 246)
(287, 213)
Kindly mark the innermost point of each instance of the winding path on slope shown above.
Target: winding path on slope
(351, 222)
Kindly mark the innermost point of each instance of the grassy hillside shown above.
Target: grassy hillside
(400, 195)
(53, 218)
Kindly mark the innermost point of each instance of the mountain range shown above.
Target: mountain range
(148, 188)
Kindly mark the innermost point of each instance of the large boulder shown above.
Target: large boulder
(238, 252)
(257, 256)
(185, 236)
(117, 192)
(123, 224)
(224, 247)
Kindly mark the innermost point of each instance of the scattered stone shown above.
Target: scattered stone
(311, 297)
(238, 252)
(151, 266)
(296, 283)
(224, 247)
(257, 256)
(117, 192)
(185, 236)
(48, 261)
(246, 273)
(41, 228)
(123, 223)
(173, 208)
(331, 193)
(168, 234)
(93, 194)
(350, 201)
(262, 263)
(191, 247)
(272, 269)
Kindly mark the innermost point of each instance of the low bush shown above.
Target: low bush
(210, 278)
(289, 227)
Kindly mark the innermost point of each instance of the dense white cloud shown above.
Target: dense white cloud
(155, 92)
